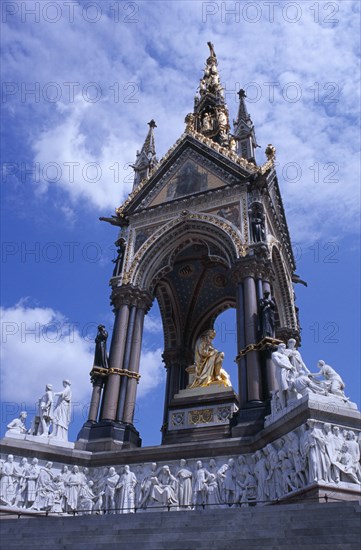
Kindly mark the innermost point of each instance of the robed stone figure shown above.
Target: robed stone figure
(101, 356)
(267, 307)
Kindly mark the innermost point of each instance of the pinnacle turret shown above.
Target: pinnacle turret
(244, 130)
(146, 158)
(210, 116)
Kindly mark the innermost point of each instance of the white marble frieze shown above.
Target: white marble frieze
(316, 452)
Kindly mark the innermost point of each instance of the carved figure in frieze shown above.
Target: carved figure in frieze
(62, 413)
(146, 486)
(283, 369)
(347, 465)
(101, 356)
(110, 486)
(227, 475)
(184, 477)
(20, 472)
(31, 476)
(200, 489)
(86, 498)
(247, 490)
(164, 488)
(17, 426)
(287, 478)
(267, 308)
(214, 498)
(314, 443)
(45, 488)
(7, 486)
(208, 363)
(353, 449)
(74, 484)
(261, 475)
(273, 482)
(64, 478)
(296, 458)
(126, 486)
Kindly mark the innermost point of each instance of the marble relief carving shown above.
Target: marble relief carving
(316, 452)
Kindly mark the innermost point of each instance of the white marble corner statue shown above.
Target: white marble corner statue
(51, 421)
(17, 426)
(296, 381)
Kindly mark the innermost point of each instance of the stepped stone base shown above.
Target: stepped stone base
(335, 526)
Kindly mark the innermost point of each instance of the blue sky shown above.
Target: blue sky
(80, 82)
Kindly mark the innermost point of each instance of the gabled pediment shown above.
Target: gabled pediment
(191, 168)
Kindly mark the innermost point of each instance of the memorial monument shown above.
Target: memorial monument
(203, 230)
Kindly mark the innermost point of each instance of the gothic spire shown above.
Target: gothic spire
(211, 117)
(146, 158)
(244, 130)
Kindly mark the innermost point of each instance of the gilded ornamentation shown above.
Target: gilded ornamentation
(208, 363)
(202, 416)
(265, 343)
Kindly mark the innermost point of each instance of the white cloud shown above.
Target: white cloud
(152, 371)
(153, 325)
(39, 346)
(163, 55)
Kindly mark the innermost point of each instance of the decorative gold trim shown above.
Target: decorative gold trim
(263, 344)
(125, 372)
(98, 371)
(201, 416)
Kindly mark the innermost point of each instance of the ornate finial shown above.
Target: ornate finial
(212, 53)
(270, 152)
(152, 124)
(241, 93)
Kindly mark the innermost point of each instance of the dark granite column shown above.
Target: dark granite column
(129, 404)
(95, 398)
(125, 365)
(254, 381)
(116, 354)
(241, 343)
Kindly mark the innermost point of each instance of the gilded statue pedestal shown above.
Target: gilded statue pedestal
(201, 414)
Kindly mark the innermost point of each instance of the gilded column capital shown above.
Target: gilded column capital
(256, 267)
(131, 296)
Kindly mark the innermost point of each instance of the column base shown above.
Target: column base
(107, 435)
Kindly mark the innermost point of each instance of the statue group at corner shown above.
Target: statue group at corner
(295, 380)
(52, 418)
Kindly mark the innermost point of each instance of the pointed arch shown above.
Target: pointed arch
(155, 257)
